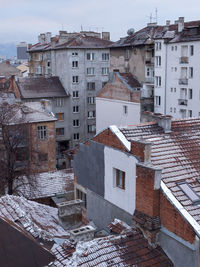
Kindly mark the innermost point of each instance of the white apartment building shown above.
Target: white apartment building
(177, 70)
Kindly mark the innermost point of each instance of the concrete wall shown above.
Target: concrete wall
(111, 112)
(182, 253)
(102, 212)
(86, 158)
(122, 198)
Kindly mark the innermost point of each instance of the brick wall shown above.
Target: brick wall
(174, 222)
(109, 139)
(138, 149)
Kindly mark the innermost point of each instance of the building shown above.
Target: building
(49, 88)
(164, 59)
(149, 173)
(22, 52)
(81, 61)
(118, 102)
(7, 70)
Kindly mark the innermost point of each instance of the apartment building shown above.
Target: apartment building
(177, 81)
(81, 61)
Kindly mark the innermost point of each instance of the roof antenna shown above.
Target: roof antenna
(81, 27)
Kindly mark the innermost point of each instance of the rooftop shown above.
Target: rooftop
(41, 87)
(6, 69)
(177, 153)
(47, 184)
(38, 220)
(129, 248)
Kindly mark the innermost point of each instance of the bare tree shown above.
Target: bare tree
(16, 153)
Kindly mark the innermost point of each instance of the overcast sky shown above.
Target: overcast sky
(23, 20)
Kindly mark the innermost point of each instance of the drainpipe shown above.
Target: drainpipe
(165, 104)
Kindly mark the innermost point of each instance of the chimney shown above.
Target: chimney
(84, 233)
(167, 22)
(48, 37)
(7, 62)
(176, 22)
(106, 36)
(147, 216)
(41, 38)
(180, 24)
(70, 211)
(163, 121)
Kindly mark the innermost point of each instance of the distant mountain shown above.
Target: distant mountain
(8, 50)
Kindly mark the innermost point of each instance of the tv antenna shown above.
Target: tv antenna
(153, 18)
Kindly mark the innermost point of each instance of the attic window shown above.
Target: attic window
(189, 192)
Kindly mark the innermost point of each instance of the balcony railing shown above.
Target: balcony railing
(149, 60)
(183, 81)
(183, 60)
(149, 80)
(182, 102)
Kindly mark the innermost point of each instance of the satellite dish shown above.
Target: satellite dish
(130, 31)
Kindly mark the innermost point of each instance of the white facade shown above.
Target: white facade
(122, 198)
(115, 112)
(179, 93)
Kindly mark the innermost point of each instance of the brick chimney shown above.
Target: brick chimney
(147, 213)
(163, 121)
(167, 22)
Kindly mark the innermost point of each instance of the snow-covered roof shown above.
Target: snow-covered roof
(36, 219)
(47, 184)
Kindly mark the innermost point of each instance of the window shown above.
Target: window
(172, 48)
(174, 110)
(158, 81)
(60, 116)
(189, 192)
(190, 94)
(191, 50)
(91, 128)
(175, 48)
(76, 123)
(91, 100)
(125, 110)
(90, 56)
(74, 53)
(91, 114)
(48, 64)
(74, 64)
(60, 131)
(190, 113)
(75, 94)
(59, 102)
(120, 178)
(76, 136)
(191, 72)
(42, 132)
(75, 79)
(105, 56)
(157, 100)
(38, 70)
(90, 71)
(104, 71)
(91, 86)
(158, 45)
(170, 109)
(172, 89)
(158, 61)
(75, 109)
(127, 54)
(43, 157)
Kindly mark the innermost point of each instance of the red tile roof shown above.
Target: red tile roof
(127, 249)
(177, 153)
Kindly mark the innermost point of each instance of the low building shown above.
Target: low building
(149, 173)
(118, 102)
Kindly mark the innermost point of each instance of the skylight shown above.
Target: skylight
(189, 192)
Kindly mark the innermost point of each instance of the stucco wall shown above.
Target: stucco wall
(123, 198)
(110, 112)
(87, 175)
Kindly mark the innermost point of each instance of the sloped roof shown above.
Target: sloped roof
(147, 34)
(177, 153)
(128, 249)
(131, 80)
(47, 184)
(41, 87)
(36, 219)
(18, 249)
(6, 69)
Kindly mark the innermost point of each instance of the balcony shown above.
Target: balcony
(149, 60)
(183, 81)
(182, 102)
(183, 60)
(149, 80)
